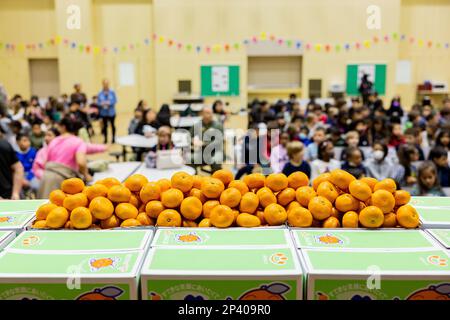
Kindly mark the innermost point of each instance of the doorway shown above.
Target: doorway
(44, 77)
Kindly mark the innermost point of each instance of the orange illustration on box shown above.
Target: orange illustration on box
(6, 219)
(433, 292)
(30, 241)
(278, 258)
(101, 263)
(437, 261)
(329, 239)
(440, 292)
(273, 291)
(106, 293)
(190, 237)
(155, 296)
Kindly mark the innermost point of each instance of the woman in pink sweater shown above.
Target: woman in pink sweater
(41, 157)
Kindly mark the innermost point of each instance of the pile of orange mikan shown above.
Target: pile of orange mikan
(335, 199)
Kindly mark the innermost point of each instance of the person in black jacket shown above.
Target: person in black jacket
(147, 127)
(149, 124)
(365, 88)
(354, 162)
(11, 171)
(395, 110)
(163, 116)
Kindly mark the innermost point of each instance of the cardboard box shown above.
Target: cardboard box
(5, 238)
(363, 239)
(430, 202)
(233, 273)
(434, 218)
(73, 276)
(211, 237)
(15, 221)
(381, 275)
(441, 235)
(8, 206)
(82, 241)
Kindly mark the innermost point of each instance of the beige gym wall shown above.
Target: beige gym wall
(158, 67)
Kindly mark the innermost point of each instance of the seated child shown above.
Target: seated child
(304, 134)
(413, 137)
(278, 156)
(351, 140)
(134, 123)
(26, 155)
(37, 135)
(164, 143)
(336, 137)
(428, 182)
(407, 154)
(295, 151)
(439, 156)
(362, 128)
(443, 139)
(396, 138)
(379, 166)
(324, 162)
(313, 148)
(354, 162)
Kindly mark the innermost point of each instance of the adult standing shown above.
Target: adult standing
(107, 101)
(365, 88)
(11, 172)
(78, 96)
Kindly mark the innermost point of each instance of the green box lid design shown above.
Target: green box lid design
(10, 206)
(432, 202)
(13, 221)
(441, 235)
(221, 261)
(81, 241)
(5, 238)
(363, 239)
(89, 265)
(4, 235)
(387, 262)
(439, 217)
(199, 237)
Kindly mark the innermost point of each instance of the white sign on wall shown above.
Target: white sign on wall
(403, 72)
(220, 79)
(368, 69)
(126, 74)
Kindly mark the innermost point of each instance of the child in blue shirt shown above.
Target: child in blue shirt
(26, 155)
(295, 151)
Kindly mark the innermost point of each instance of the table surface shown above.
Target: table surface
(138, 141)
(118, 170)
(178, 107)
(156, 174)
(197, 107)
(183, 122)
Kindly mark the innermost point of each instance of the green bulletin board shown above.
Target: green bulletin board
(377, 74)
(219, 80)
